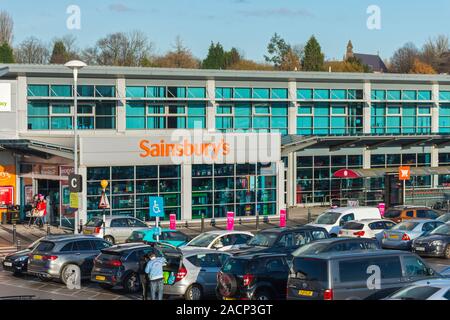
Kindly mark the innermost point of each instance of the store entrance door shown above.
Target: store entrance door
(50, 189)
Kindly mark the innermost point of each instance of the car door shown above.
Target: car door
(344, 219)
(84, 255)
(277, 272)
(376, 229)
(136, 224)
(118, 229)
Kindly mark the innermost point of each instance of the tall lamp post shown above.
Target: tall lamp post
(75, 66)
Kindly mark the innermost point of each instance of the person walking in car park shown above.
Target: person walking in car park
(143, 275)
(42, 207)
(154, 269)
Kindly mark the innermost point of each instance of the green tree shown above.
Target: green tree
(59, 54)
(6, 53)
(277, 50)
(313, 59)
(218, 58)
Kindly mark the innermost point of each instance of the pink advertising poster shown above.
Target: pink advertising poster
(382, 208)
(283, 218)
(230, 221)
(173, 222)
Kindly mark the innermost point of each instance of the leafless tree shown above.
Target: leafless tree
(403, 59)
(32, 50)
(120, 49)
(434, 50)
(6, 27)
(179, 57)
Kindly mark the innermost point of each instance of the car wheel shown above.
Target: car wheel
(447, 252)
(68, 270)
(263, 294)
(110, 239)
(194, 292)
(131, 284)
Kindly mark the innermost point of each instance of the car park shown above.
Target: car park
(402, 213)
(119, 266)
(348, 275)
(173, 237)
(282, 240)
(337, 245)
(57, 257)
(366, 228)
(253, 276)
(17, 262)
(221, 240)
(401, 236)
(334, 219)
(115, 229)
(194, 273)
(436, 289)
(435, 244)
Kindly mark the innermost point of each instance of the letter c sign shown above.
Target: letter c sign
(75, 183)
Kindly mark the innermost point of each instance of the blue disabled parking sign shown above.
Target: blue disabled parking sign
(156, 207)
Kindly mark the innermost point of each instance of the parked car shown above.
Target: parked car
(334, 219)
(401, 236)
(56, 256)
(444, 218)
(117, 229)
(253, 276)
(345, 275)
(173, 237)
(194, 275)
(282, 240)
(17, 262)
(438, 289)
(402, 213)
(337, 245)
(366, 228)
(119, 266)
(220, 240)
(435, 244)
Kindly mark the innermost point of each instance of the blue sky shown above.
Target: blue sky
(245, 24)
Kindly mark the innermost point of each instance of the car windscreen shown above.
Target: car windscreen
(174, 236)
(203, 240)
(353, 226)
(44, 246)
(94, 223)
(137, 236)
(405, 226)
(328, 218)
(263, 239)
(310, 269)
(415, 293)
(311, 248)
(444, 218)
(442, 230)
(392, 213)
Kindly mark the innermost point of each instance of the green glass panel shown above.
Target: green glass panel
(38, 90)
(304, 94)
(61, 91)
(135, 92)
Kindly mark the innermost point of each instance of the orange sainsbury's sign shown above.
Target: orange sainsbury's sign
(185, 149)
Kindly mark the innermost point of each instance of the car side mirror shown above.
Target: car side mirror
(431, 272)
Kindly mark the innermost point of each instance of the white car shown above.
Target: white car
(366, 228)
(220, 240)
(433, 289)
(334, 219)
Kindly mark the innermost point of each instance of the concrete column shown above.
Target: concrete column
(435, 164)
(22, 102)
(366, 158)
(292, 113)
(367, 108)
(291, 179)
(435, 109)
(280, 189)
(121, 105)
(211, 105)
(186, 192)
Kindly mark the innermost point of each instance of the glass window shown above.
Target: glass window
(224, 93)
(38, 90)
(356, 269)
(409, 95)
(378, 95)
(321, 94)
(156, 92)
(279, 94)
(394, 95)
(135, 92)
(424, 95)
(199, 92)
(444, 95)
(105, 91)
(176, 92)
(305, 110)
(305, 94)
(61, 123)
(338, 94)
(61, 91)
(242, 93)
(38, 109)
(261, 93)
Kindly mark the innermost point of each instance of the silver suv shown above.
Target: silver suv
(56, 257)
(117, 229)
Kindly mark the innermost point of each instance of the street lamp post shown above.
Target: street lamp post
(75, 66)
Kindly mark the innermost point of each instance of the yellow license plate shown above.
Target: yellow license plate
(37, 257)
(393, 237)
(100, 278)
(229, 299)
(87, 232)
(306, 293)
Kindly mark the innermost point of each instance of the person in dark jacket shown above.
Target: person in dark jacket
(143, 275)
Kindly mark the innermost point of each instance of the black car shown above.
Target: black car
(254, 276)
(119, 266)
(435, 244)
(337, 245)
(283, 240)
(17, 262)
